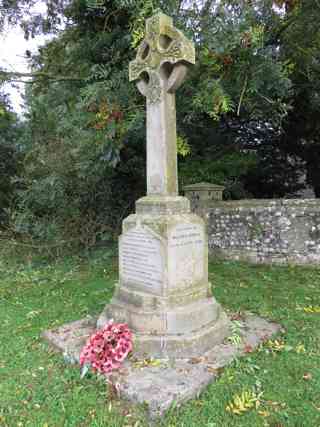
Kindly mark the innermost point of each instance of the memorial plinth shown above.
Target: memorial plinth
(163, 291)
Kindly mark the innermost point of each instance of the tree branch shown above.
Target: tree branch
(242, 94)
(206, 8)
(13, 75)
(281, 30)
(29, 82)
(179, 6)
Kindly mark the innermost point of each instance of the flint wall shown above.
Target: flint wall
(264, 231)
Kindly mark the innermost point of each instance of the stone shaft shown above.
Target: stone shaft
(162, 176)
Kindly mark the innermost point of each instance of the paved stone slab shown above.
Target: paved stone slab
(173, 382)
(71, 337)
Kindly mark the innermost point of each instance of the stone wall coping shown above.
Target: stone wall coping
(203, 186)
(263, 203)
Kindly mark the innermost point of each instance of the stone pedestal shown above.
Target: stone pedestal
(163, 291)
(204, 192)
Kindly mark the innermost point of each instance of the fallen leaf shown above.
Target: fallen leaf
(212, 370)
(237, 316)
(196, 360)
(307, 376)
(154, 363)
(272, 403)
(248, 348)
(244, 402)
(264, 413)
(300, 349)
(312, 309)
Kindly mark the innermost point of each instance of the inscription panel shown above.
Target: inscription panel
(141, 259)
(186, 250)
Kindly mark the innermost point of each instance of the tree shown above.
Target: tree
(9, 157)
(85, 132)
(75, 184)
(300, 42)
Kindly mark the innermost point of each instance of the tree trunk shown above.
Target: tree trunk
(316, 189)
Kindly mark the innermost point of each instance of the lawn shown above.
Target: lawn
(38, 389)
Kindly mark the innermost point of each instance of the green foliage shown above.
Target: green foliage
(227, 170)
(183, 147)
(237, 69)
(95, 4)
(236, 332)
(146, 9)
(78, 130)
(83, 143)
(10, 159)
(217, 103)
(243, 402)
(275, 175)
(300, 42)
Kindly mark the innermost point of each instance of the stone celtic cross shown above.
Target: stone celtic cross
(160, 68)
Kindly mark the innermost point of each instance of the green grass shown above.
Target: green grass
(38, 389)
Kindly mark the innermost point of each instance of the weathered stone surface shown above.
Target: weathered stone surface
(162, 44)
(71, 338)
(159, 69)
(162, 205)
(163, 293)
(176, 380)
(263, 231)
(203, 192)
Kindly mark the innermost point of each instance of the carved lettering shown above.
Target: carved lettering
(184, 235)
(140, 259)
(186, 254)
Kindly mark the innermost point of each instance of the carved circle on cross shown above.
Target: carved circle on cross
(162, 59)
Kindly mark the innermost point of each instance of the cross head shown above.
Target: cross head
(159, 69)
(163, 48)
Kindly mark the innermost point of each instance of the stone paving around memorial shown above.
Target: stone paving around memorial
(172, 381)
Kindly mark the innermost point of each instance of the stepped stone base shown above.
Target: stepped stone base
(178, 333)
(174, 381)
(164, 294)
